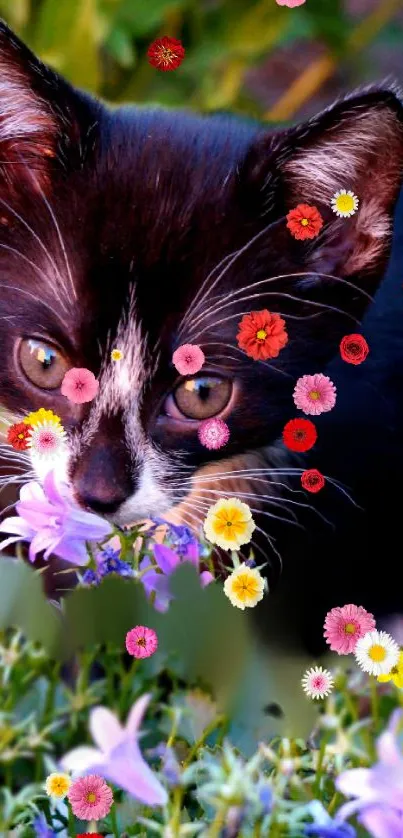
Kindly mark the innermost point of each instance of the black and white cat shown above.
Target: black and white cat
(146, 229)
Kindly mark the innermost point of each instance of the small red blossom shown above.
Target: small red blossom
(312, 480)
(354, 349)
(299, 434)
(18, 435)
(166, 53)
(304, 222)
(262, 335)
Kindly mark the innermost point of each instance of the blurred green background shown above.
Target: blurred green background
(250, 56)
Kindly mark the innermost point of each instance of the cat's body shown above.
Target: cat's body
(144, 230)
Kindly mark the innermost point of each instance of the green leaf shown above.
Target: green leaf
(120, 46)
(142, 18)
(23, 603)
(67, 35)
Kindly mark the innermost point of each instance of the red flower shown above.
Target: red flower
(354, 349)
(299, 434)
(312, 480)
(166, 53)
(89, 835)
(18, 434)
(304, 222)
(261, 335)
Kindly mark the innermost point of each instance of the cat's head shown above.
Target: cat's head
(144, 230)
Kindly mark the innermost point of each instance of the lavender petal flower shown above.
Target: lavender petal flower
(378, 791)
(118, 757)
(167, 561)
(52, 523)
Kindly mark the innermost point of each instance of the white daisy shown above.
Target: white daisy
(317, 682)
(344, 203)
(377, 652)
(47, 439)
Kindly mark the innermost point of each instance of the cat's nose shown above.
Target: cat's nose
(102, 480)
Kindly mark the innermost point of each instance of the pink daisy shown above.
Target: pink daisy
(90, 798)
(141, 642)
(213, 433)
(79, 385)
(46, 439)
(317, 682)
(315, 394)
(188, 359)
(344, 627)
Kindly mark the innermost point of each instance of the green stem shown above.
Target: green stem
(194, 749)
(71, 819)
(322, 751)
(175, 821)
(218, 822)
(374, 702)
(114, 821)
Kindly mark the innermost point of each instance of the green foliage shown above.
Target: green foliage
(101, 45)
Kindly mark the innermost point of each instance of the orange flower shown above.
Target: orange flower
(304, 222)
(262, 334)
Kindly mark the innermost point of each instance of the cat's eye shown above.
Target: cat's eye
(202, 397)
(42, 364)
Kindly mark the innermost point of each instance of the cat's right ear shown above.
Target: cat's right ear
(41, 115)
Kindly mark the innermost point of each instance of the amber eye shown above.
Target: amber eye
(202, 397)
(42, 363)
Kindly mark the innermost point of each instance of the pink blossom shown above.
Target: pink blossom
(315, 394)
(79, 385)
(290, 3)
(344, 627)
(213, 433)
(141, 642)
(188, 359)
(90, 798)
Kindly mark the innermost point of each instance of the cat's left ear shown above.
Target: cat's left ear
(41, 116)
(357, 146)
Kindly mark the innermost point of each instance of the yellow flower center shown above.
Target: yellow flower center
(345, 203)
(261, 334)
(350, 628)
(20, 436)
(91, 797)
(245, 586)
(314, 395)
(377, 653)
(304, 222)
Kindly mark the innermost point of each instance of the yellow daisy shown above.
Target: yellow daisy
(41, 415)
(395, 674)
(344, 203)
(244, 587)
(116, 354)
(57, 785)
(229, 523)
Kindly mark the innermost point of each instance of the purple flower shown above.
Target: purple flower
(180, 538)
(378, 791)
(42, 828)
(167, 561)
(91, 577)
(118, 757)
(324, 826)
(115, 565)
(53, 523)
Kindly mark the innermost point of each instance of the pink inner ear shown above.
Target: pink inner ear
(364, 153)
(26, 123)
